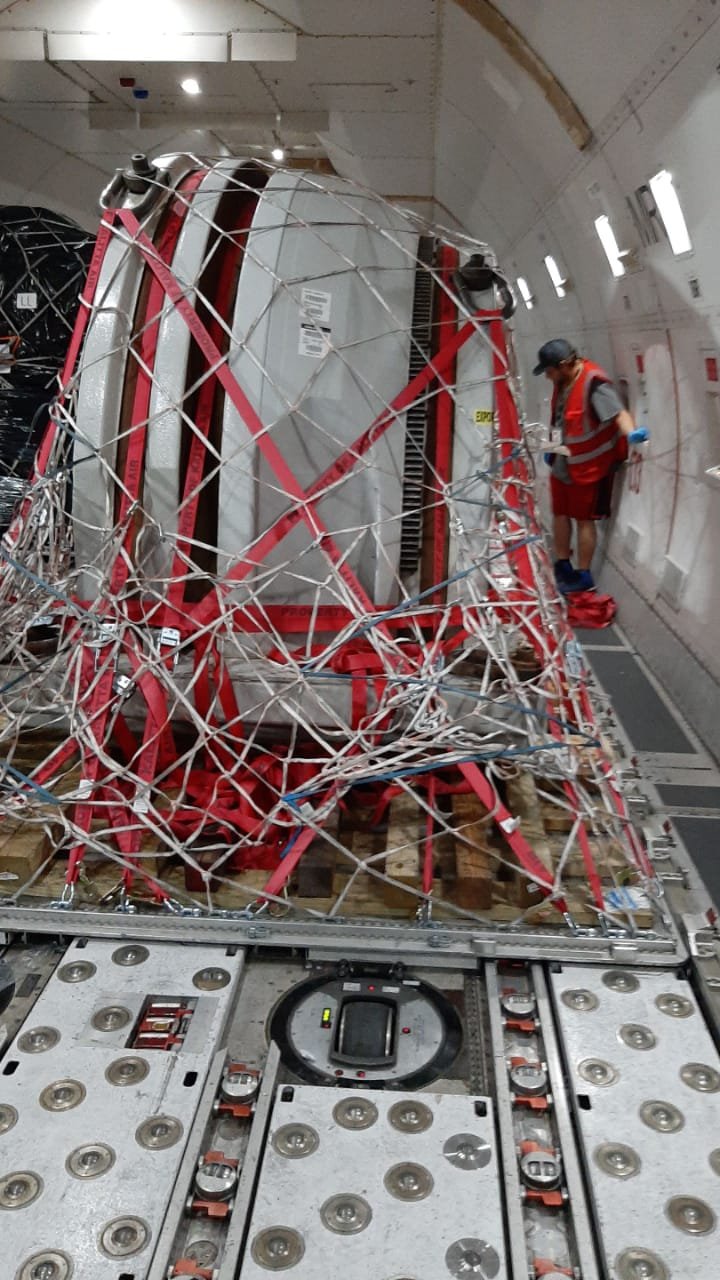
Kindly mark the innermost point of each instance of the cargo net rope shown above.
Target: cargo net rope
(280, 630)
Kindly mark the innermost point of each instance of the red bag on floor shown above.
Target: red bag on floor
(590, 609)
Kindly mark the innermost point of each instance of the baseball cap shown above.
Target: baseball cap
(552, 353)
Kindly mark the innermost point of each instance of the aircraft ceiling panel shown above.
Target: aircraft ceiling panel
(391, 96)
(398, 176)
(79, 15)
(233, 86)
(458, 194)
(356, 59)
(37, 82)
(372, 17)
(373, 133)
(465, 148)
(576, 44)
(480, 79)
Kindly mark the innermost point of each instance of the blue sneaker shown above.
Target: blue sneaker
(564, 571)
(582, 580)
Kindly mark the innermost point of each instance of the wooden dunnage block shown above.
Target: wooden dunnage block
(403, 858)
(475, 859)
(524, 803)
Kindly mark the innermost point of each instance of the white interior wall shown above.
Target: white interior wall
(649, 313)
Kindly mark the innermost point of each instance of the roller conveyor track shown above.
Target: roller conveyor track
(149, 1130)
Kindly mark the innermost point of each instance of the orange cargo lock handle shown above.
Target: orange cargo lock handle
(213, 1208)
(521, 1024)
(218, 1157)
(544, 1267)
(534, 1102)
(186, 1267)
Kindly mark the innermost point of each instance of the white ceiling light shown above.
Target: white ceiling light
(666, 199)
(190, 86)
(610, 245)
(525, 292)
(278, 153)
(136, 46)
(555, 274)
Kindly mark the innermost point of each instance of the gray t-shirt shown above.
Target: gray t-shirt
(606, 404)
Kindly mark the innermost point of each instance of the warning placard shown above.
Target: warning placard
(483, 417)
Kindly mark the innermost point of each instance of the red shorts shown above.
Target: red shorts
(582, 501)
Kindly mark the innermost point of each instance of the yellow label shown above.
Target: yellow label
(484, 417)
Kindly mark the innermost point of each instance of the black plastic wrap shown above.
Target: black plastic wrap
(43, 264)
(23, 418)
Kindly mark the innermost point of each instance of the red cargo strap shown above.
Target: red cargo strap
(341, 467)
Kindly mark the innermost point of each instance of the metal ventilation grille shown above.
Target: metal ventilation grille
(416, 416)
(672, 583)
(631, 545)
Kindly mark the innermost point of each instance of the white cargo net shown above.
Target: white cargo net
(281, 634)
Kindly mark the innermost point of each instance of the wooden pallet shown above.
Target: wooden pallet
(351, 867)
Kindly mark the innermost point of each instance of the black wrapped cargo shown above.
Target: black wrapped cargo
(43, 262)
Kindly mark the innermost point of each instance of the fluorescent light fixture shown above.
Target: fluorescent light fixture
(610, 245)
(277, 153)
(136, 46)
(555, 275)
(190, 86)
(525, 292)
(263, 46)
(666, 199)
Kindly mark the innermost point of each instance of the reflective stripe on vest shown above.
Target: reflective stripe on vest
(581, 427)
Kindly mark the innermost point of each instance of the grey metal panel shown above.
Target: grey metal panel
(634, 1210)
(701, 837)
(404, 1236)
(644, 715)
(139, 1180)
(685, 797)
(603, 637)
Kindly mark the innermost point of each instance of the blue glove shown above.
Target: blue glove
(638, 435)
(549, 458)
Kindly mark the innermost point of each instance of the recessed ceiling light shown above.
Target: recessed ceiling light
(190, 85)
(277, 153)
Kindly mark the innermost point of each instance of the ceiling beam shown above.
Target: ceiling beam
(524, 56)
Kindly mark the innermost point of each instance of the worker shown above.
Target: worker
(589, 434)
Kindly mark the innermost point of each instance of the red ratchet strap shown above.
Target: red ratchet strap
(342, 466)
(97, 695)
(507, 824)
(305, 507)
(444, 423)
(87, 298)
(230, 251)
(429, 855)
(232, 388)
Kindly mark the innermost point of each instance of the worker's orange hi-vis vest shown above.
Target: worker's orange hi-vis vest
(595, 447)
